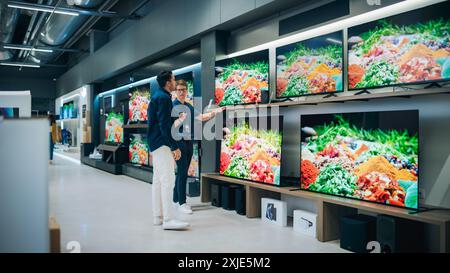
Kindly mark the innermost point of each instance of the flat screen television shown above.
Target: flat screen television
(189, 78)
(138, 103)
(371, 156)
(252, 150)
(114, 127)
(242, 79)
(310, 67)
(138, 151)
(409, 48)
(194, 167)
(9, 112)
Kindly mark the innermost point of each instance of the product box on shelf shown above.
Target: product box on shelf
(274, 211)
(305, 222)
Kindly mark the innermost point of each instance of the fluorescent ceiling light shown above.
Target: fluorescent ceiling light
(52, 10)
(341, 24)
(27, 48)
(21, 65)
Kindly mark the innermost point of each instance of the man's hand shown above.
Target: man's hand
(182, 116)
(176, 154)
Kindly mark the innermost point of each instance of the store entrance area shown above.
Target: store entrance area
(112, 213)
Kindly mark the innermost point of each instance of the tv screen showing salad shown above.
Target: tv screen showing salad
(138, 103)
(194, 167)
(138, 149)
(242, 79)
(114, 127)
(409, 48)
(372, 156)
(309, 67)
(188, 77)
(253, 151)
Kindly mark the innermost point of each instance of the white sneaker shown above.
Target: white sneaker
(157, 221)
(175, 205)
(175, 224)
(185, 208)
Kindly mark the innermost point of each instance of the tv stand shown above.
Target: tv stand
(364, 91)
(329, 208)
(282, 100)
(330, 95)
(433, 85)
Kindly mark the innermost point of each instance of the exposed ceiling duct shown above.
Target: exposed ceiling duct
(8, 21)
(59, 28)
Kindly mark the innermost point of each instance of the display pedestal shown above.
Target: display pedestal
(139, 172)
(329, 208)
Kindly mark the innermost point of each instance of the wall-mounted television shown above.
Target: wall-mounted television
(371, 156)
(138, 151)
(242, 79)
(114, 127)
(310, 67)
(189, 78)
(9, 112)
(252, 150)
(68, 110)
(138, 103)
(409, 48)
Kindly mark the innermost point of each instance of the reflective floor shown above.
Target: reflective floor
(108, 213)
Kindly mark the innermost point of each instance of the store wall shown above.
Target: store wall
(17, 99)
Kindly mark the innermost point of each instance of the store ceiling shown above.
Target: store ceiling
(58, 40)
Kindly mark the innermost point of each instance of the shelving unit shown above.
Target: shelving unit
(346, 96)
(329, 208)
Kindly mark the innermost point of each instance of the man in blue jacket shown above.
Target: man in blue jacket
(165, 151)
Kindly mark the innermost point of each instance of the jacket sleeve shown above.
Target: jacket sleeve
(165, 122)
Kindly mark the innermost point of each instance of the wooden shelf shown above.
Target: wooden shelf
(135, 126)
(329, 208)
(346, 96)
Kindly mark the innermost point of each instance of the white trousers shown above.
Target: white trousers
(163, 182)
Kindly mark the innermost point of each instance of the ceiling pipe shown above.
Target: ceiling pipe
(8, 22)
(59, 28)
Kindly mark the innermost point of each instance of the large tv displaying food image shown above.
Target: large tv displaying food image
(114, 127)
(241, 80)
(138, 152)
(412, 47)
(251, 152)
(188, 77)
(138, 103)
(313, 66)
(194, 167)
(370, 156)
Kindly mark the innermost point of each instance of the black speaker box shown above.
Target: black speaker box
(240, 200)
(397, 235)
(356, 231)
(216, 194)
(228, 196)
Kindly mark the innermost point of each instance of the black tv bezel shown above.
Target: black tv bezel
(268, 77)
(389, 85)
(311, 94)
(130, 91)
(353, 198)
(281, 155)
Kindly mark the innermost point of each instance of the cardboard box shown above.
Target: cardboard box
(88, 118)
(274, 211)
(55, 236)
(305, 222)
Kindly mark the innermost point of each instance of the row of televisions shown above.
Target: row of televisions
(408, 48)
(370, 156)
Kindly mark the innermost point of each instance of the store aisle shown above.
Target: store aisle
(108, 213)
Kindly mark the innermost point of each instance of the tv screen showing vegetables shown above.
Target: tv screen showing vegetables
(138, 103)
(114, 127)
(371, 156)
(251, 151)
(409, 48)
(138, 149)
(188, 77)
(242, 79)
(194, 167)
(309, 67)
